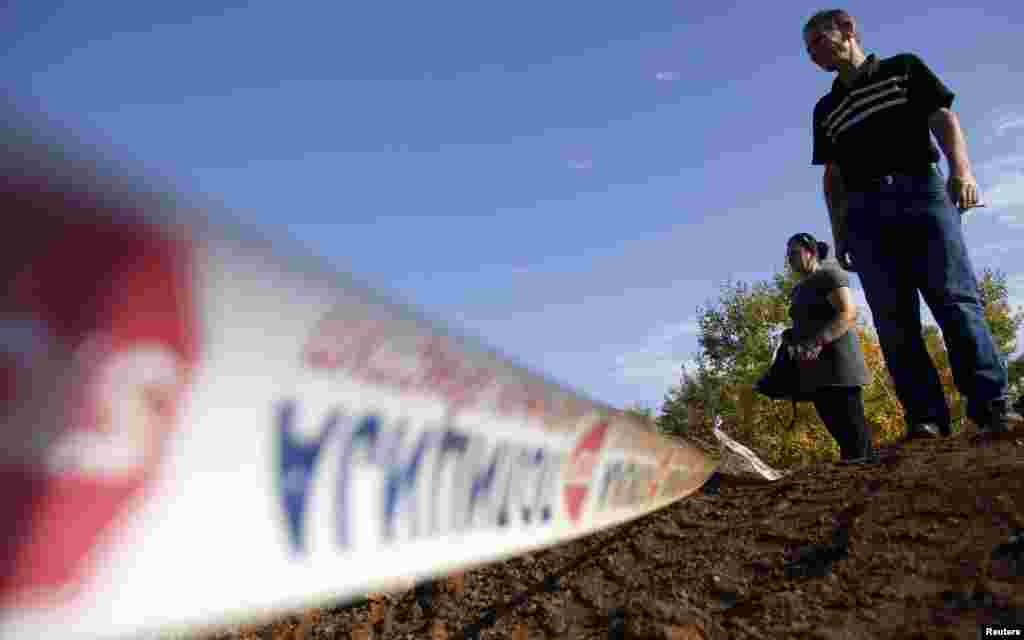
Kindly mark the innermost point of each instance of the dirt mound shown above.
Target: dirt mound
(928, 542)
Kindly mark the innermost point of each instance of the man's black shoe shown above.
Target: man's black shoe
(871, 458)
(997, 418)
(922, 431)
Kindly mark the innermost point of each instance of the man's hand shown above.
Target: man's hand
(835, 200)
(963, 191)
(961, 187)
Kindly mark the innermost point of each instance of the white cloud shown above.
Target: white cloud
(650, 368)
(667, 76)
(1005, 163)
(994, 250)
(1002, 187)
(1008, 120)
(658, 359)
(1001, 121)
(1015, 289)
(1005, 192)
(1010, 123)
(1012, 220)
(669, 332)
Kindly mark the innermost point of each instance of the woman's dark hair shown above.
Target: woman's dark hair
(807, 240)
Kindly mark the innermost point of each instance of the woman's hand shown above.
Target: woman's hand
(806, 352)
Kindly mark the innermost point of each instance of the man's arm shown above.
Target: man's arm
(835, 200)
(963, 188)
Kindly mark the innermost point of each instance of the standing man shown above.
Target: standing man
(895, 224)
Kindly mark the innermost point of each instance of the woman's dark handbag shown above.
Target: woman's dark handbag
(782, 380)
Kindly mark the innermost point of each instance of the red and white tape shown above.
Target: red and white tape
(198, 428)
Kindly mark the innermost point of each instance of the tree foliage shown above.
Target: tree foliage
(1004, 321)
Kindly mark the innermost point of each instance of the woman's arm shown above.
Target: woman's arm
(846, 316)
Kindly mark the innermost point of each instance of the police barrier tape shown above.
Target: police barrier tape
(198, 430)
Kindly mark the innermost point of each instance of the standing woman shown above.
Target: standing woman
(828, 353)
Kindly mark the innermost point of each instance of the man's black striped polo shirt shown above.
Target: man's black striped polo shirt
(879, 125)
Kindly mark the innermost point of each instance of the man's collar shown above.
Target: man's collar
(864, 72)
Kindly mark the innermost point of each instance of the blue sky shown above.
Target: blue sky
(568, 181)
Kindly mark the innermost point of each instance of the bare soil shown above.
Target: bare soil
(919, 545)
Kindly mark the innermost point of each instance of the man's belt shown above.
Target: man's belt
(871, 183)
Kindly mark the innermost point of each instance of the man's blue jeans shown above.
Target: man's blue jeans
(905, 237)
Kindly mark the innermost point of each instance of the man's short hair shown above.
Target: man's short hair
(832, 18)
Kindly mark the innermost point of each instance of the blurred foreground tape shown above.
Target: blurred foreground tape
(200, 429)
